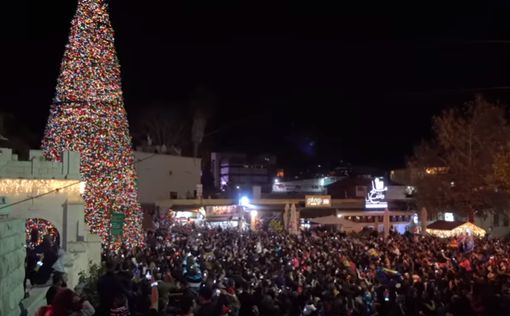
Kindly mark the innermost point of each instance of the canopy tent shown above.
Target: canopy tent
(328, 220)
(446, 229)
(346, 225)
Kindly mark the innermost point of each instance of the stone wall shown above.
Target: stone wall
(12, 265)
(38, 167)
(38, 188)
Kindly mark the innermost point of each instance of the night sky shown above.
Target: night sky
(307, 83)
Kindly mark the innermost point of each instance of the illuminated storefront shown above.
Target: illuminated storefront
(446, 229)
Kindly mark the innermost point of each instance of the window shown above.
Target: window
(506, 221)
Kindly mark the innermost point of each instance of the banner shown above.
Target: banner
(117, 223)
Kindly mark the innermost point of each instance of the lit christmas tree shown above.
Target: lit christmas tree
(88, 116)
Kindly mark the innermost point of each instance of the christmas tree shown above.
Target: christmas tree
(88, 116)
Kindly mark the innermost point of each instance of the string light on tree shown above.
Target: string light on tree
(88, 116)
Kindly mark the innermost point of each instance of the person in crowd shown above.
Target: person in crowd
(186, 306)
(68, 303)
(58, 266)
(44, 256)
(166, 286)
(207, 307)
(109, 289)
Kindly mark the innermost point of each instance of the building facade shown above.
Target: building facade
(314, 185)
(40, 190)
(163, 176)
(239, 171)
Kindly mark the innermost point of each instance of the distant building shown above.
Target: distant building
(163, 176)
(240, 171)
(314, 185)
(355, 187)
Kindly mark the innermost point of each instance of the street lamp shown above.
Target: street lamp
(244, 201)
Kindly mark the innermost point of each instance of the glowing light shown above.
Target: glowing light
(448, 217)
(339, 215)
(88, 116)
(466, 228)
(253, 213)
(244, 201)
(183, 214)
(318, 201)
(376, 196)
(436, 170)
(83, 186)
(26, 188)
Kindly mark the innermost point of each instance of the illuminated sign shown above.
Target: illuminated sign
(448, 217)
(318, 201)
(376, 198)
(224, 210)
(183, 214)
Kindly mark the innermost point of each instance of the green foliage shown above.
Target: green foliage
(88, 283)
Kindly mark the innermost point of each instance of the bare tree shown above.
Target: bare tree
(455, 170)
(162, 126)
(202, 101)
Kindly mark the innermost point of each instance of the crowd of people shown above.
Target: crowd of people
(189, 270)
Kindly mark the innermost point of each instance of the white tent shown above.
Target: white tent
(346, 225)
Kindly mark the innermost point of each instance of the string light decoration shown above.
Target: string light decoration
(88, 116)
(25, 188)
(43, 228)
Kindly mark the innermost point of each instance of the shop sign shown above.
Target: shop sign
(223, 210)
(117, 222)
(376, 198)
(318, 201)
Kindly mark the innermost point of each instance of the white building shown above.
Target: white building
(48, 190)
(163, 176)
(315, 185)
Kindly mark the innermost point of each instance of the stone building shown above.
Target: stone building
(46, 190)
